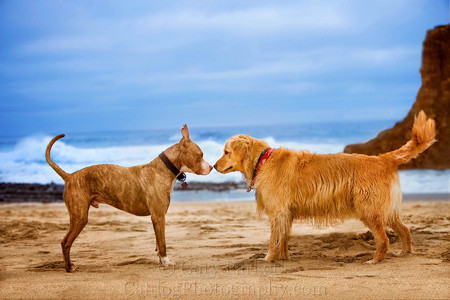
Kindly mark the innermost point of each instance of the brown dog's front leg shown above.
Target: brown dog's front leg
(159, 223)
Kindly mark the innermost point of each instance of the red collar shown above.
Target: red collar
(262, 159)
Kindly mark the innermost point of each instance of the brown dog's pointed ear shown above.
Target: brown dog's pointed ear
(185, 132)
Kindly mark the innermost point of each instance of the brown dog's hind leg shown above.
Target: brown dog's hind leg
(376, 225)
(78, 219)
(403, 232)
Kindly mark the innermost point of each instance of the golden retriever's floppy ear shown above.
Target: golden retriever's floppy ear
(241, 146)
(185, 132)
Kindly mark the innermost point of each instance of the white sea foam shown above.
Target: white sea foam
(26, 162)
(425, 181)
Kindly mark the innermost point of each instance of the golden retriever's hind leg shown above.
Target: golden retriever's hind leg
(376, 225)
(403, 232)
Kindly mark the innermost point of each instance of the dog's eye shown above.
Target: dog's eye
(226, 152)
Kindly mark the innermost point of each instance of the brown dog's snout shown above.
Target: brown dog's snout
(215, 166)
(205, 168)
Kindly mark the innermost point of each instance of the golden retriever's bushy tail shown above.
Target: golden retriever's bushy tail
(423, 133)
(55, 167)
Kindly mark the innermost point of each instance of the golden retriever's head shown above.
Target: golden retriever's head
(238, 154)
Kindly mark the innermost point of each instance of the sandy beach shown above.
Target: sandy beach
(218, 249)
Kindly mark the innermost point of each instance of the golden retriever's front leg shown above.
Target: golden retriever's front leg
(280, 230)
(274, 236)
(377, 227)
(284, 247)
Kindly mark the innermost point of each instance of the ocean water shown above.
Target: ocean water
(22, 158)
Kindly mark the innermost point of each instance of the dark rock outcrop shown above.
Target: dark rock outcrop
(33, 192)
(19, 192)
(433, 98)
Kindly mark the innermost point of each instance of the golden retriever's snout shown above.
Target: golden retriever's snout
(221, 167)
(218, 167)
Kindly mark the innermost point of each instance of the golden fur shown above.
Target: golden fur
(327, 188)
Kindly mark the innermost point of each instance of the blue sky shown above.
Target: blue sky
(84, 66)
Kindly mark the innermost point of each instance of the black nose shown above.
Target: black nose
(215, 166)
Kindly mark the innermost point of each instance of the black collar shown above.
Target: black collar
(181, 177)
(257, 163)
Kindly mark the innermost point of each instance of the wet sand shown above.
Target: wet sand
(219, 250)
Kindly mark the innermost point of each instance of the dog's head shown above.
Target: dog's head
(191, 156)
(238, 154)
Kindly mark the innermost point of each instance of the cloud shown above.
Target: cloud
(165, 30)
(304, 68)
(68, 54)
(63, 44)
(257, 20)
(293, 72)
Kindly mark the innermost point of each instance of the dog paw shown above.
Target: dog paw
(165, 261)
(269, 258)
(284, 257)
(70, 268)
(402, 253)
(373, 261)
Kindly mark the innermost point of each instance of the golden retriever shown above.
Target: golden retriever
(326, 188)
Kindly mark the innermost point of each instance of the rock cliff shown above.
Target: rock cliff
(433, 97)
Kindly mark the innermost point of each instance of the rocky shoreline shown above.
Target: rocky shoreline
(33, 192)
(46, 193)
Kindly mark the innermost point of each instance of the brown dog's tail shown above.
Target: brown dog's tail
(423, 133)
(55, 167)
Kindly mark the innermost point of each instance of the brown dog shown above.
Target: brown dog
(140, 190)
(326, 188)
